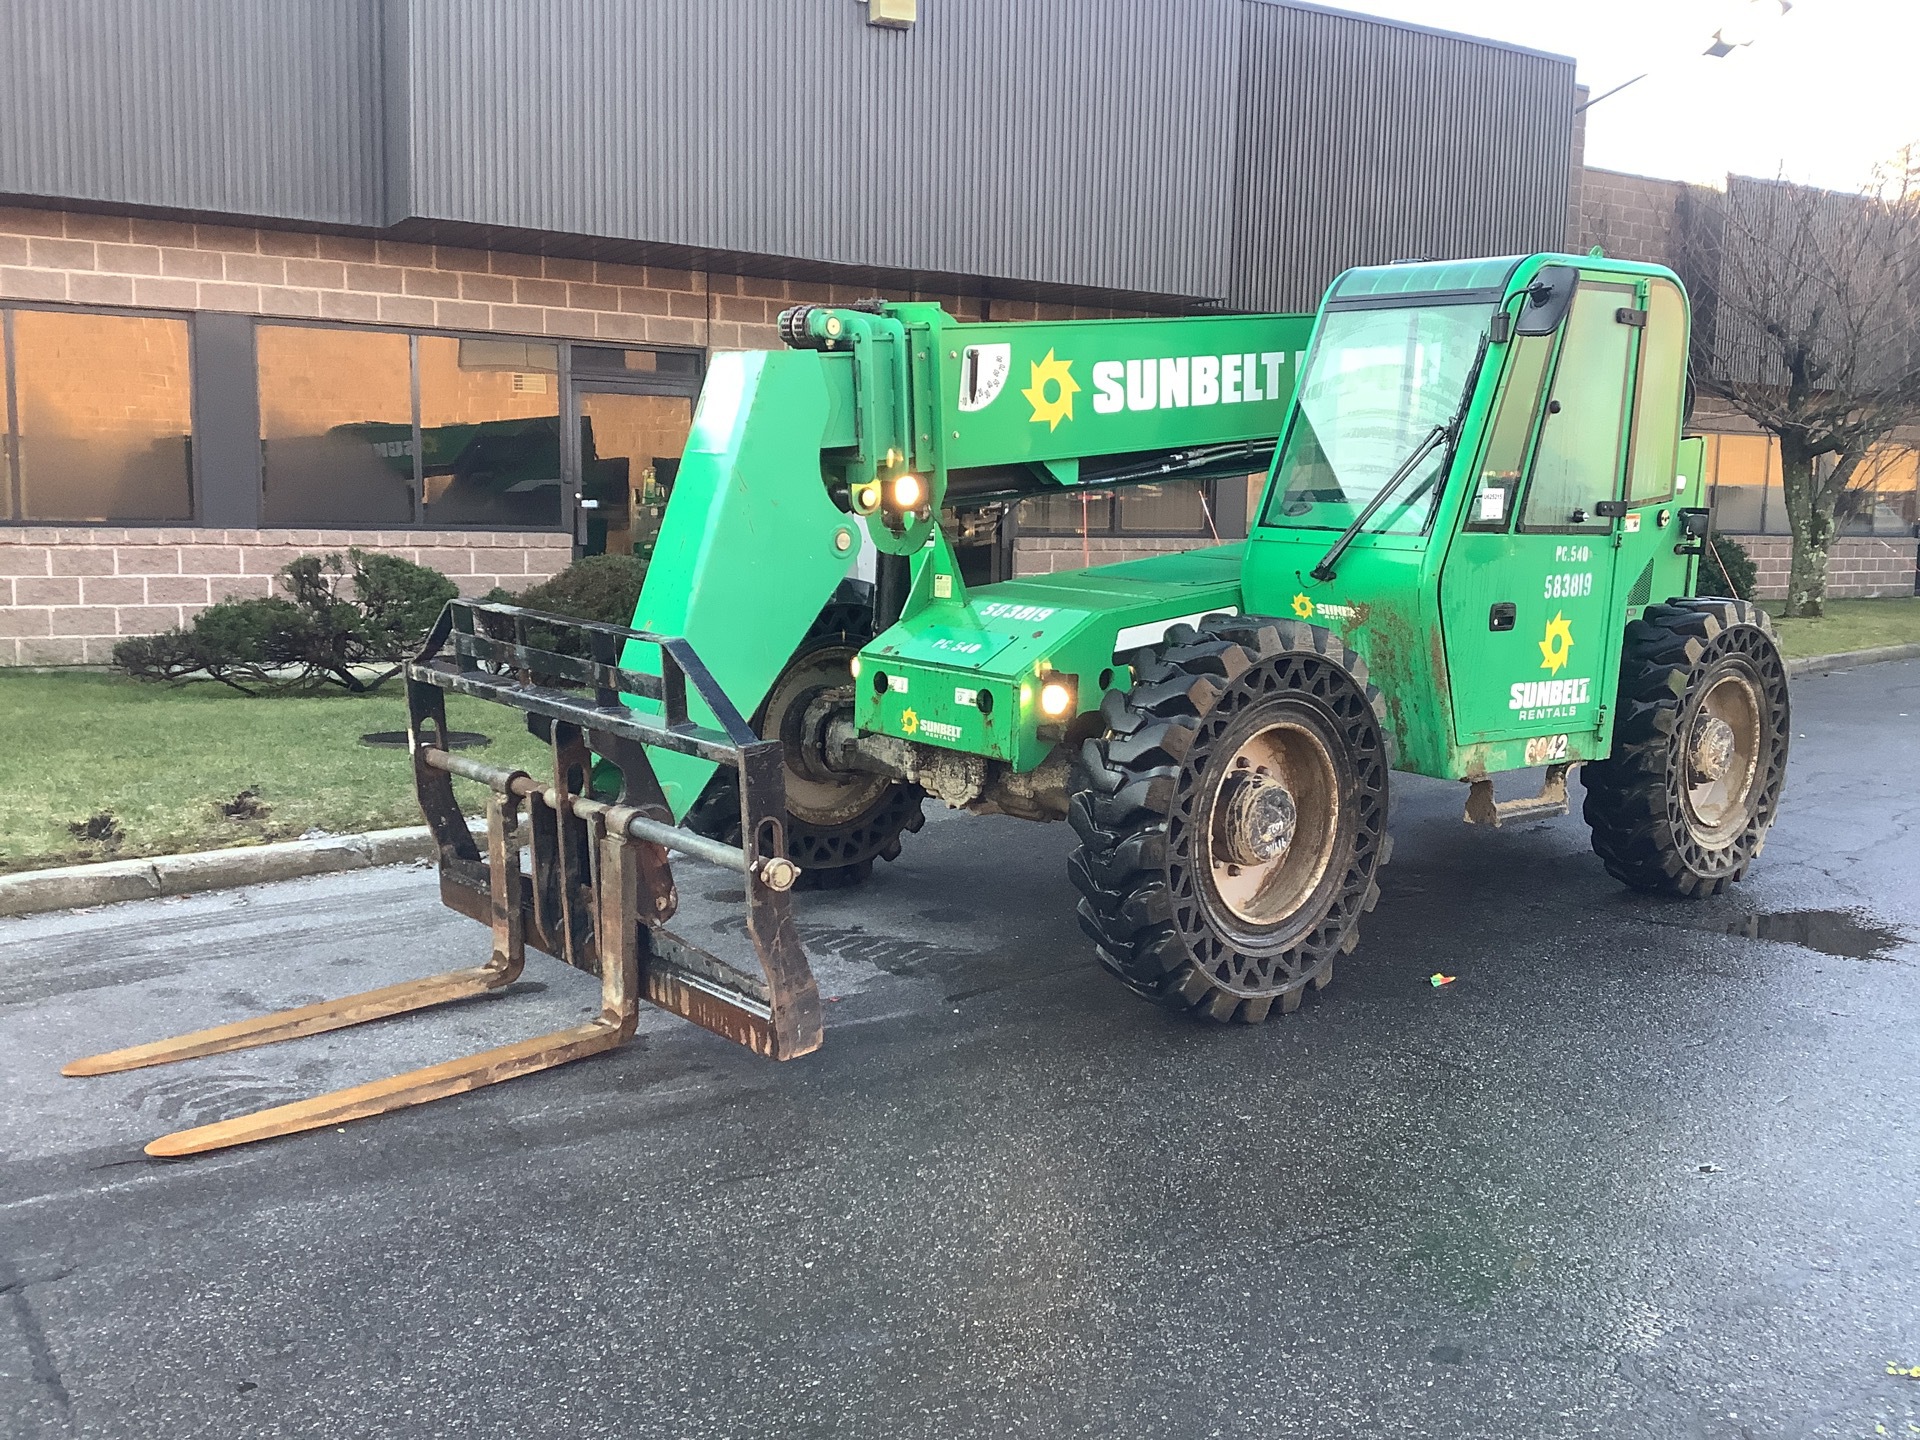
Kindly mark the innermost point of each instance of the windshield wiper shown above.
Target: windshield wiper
(1324, 570)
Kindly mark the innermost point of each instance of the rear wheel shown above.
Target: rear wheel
(1684, 803)
(1233, 818)
(838, 822)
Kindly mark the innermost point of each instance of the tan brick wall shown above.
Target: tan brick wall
(90, 259)
(1859, 568)
(1631, 217)
(68, 595)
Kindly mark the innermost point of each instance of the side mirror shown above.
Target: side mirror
(1547, 300)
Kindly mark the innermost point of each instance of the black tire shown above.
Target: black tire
(1153, 792)
(1662, 820)
(837, 849)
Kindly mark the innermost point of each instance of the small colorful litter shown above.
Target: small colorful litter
(1912, 1372)
(1437, 979)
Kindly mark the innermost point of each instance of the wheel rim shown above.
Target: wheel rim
(815, 793)
(1722, 754)
(1273, 821)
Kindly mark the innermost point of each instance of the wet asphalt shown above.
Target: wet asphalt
(1640, 1171)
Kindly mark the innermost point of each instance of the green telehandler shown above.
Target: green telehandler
(1476, 552)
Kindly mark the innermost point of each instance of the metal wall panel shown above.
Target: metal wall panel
(1362, 142)
(1081, 142)
(245, 107)
(1226, 150)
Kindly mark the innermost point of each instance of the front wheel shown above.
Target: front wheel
(1684, 803)
(1232, 820)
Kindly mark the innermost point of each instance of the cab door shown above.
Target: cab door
(1527, 588)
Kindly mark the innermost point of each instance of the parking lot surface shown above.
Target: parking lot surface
(1644, 1169)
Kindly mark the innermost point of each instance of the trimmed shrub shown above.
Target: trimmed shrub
(1728, 563)
(314, 636)
(597, 587)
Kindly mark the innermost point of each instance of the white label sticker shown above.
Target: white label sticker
(897, 683)
(965, 697)
(943, 587)
(1493, 503)
(1633, 524)
(983, 372)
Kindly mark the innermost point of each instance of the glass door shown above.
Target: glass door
(630, 413)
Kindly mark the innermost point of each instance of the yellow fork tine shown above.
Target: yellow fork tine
(397, 1092)
(508, 960)
(306, 1020)
(619, 1016)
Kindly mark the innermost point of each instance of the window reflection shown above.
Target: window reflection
(336, 426)
(1176, 508)
(105, 411)
(629, 452)
(489, 433)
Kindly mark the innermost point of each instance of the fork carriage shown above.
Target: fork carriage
(582, 877)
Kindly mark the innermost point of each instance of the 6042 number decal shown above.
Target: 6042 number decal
(1546, 749)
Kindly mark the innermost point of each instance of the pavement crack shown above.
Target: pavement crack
(41, 1366)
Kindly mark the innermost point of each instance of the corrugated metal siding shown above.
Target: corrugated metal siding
(248, 107)
(1243, 150)
(1361, 142)
(1082, 142)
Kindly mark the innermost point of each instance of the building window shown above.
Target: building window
(1880, 499)
(99, 417)
(1181, 509)
(490, 433)
(1745, 471)
(336, 426)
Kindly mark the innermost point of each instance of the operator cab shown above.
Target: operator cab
(1485, 452)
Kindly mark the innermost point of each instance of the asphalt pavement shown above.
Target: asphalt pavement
(1644, 1169)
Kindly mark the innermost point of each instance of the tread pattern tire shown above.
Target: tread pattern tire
(1142, 865)
(830, 858)
(1635, 800)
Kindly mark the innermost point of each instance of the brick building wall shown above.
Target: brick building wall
(1857, 568)
(1630, 217)
(68, 593)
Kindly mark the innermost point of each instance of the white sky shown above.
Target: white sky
(1825, 92)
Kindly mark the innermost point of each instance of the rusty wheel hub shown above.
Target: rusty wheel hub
(1274, 819)
(1713, 746)
(1258, 817)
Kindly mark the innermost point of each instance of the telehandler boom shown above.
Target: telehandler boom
(1476, 552)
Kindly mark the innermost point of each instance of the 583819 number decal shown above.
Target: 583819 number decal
(1546, 749)
(1569, 585)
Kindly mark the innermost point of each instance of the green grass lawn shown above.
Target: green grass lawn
(1850, 625)
(161, 760)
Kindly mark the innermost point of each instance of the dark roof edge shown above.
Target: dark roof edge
(1409, 25)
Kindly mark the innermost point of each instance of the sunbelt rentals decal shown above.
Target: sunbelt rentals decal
(1171, 382)
(1556, 699)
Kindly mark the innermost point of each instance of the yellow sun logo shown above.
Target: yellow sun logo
(1553, 649)
(909, 722)
(1059, 374)
(1303, 607)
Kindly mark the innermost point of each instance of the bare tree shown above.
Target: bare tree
(1807, 320)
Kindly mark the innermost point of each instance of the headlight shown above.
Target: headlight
(1056, 696)
(908, 492)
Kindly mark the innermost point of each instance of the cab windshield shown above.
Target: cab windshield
(1376, 384)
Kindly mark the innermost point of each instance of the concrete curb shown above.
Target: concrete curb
(73, 886)
(1847, 659)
